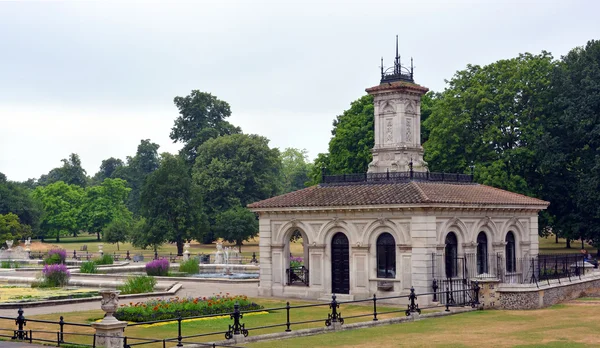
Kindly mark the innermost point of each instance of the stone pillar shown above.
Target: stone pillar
(186, 253)
(423, 240)
(100, 246)
(265, 288)
(487, 292)
(109, 331)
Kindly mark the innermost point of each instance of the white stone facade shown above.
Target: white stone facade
(419, 232)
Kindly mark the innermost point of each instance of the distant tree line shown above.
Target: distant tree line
(528, 124)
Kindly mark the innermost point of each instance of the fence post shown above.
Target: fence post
(254, 260)
(447, 299)
(412, 307)
(476, 288)
(20, 334)
(435, 287)
(155, 255)
(179, 344)
(375, 307)
(237, 328)
(287, 308)
(61, 323)
(334, 317)
(127, 257)
(74, 254)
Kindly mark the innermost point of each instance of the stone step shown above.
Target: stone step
(338, 297)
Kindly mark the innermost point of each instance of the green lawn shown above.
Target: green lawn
(548, 245)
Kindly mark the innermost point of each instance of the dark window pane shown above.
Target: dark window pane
(386, 256)
(451, 255)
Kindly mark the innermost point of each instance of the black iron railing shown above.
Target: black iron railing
(395, 177)
(297, 275)
(331, 315)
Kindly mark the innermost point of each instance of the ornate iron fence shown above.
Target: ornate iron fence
(297, 275)
(331, 315)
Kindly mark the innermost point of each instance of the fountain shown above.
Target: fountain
(14, 254)
(227, 265)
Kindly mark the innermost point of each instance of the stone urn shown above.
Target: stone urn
(28, 244)
(109, 304)
(9, 244)
(100, 246)
(186, 253)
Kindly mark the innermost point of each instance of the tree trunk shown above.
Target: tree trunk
(568, 243)
(57, 237)
(582, 247)
(556, 236)
(179, 247)
(98, 235)
(240, 248)
(118, 247)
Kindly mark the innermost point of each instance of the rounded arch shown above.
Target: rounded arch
(325, 232)
(482, 252)
(487, 225)
(454, 225)
(451, 254)
(516, 227)
(510, 251)
(386, 255)
(286, 230)
(376, 228)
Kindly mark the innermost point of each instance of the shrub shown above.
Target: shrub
(55, 257)
(8, 264)
(158, 267)
(296, 262)
(54, 276)
(88, 267)
(137, 285)
(188, 307)
(190, 266)
(105, 259)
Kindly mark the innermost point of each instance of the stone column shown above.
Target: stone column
(109, 331)
(186, 253)
(265, 288)
(487, 292)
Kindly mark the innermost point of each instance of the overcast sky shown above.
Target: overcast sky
(95, 78)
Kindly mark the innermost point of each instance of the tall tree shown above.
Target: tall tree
(103, 204)
(172, 204)
(489, 117)
(570, 150)
(71, 172)
(107, 169)
(236, 170)
(201, 117)
(145, 161)
(353, 138)
(294, 170)
(236, 225)
(62, 208)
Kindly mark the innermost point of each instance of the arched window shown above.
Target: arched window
(511, 257)
(451, 255)
(386, 256)
(482, 253)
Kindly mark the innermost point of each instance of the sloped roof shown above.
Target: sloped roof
(397, 193)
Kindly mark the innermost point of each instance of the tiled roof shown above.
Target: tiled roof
(410, 192)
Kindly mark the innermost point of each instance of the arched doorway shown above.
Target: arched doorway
(340, 264)
(297, 254)
(451, 255)
(482, 253)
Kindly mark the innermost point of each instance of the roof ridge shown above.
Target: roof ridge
(421, 192)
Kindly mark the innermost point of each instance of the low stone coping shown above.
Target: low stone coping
(167, 292)
(333, 328)
(547, 284)
(74, 268)
(192, 279)
(94, 283)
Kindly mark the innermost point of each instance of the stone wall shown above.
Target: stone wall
(529, 296)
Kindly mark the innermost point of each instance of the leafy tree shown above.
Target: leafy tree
(236, 225)
(489, 117)
(107, 169)
(62, 207)
(570, 148)
(427, 103)
(320, 164)
(145, 161)
(172, 205)
(12, 229)
(17, 199)
(201, 117)
(294, 170)
(103, 204)
(117, 230)
(353, 138)
(71, 172)
(236, 170)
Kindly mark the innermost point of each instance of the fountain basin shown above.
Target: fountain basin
(225, 276)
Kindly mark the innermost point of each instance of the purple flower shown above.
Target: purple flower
(56, 275)
(62, 254)
(158, 267)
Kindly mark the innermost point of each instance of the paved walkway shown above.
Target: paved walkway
(8, 344)
(189, 289)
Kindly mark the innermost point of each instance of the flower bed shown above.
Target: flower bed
(187, 307)
(54, 276)
(55, 256)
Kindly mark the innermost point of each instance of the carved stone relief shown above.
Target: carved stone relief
(389, 137)
(409, 130)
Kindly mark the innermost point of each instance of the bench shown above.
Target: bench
(83, 248)
(138, 258)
